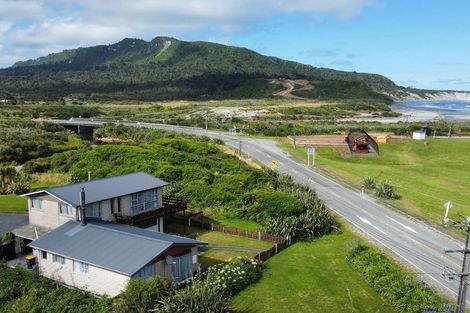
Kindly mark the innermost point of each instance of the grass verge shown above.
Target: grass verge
(425, 175)
(311, 277)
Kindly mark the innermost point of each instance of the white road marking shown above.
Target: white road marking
(402, 225)
(368, 222)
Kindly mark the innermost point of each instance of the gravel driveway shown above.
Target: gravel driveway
(9, 221)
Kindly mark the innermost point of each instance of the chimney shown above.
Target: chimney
(82, 206)
(89, 175)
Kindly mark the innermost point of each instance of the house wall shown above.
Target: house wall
(419, 136)
(165, 270)
(49, 216)
(97, 280)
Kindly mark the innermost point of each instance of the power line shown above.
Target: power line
(461, 298)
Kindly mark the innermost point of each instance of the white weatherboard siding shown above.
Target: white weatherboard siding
(48, 216)
(97, 280)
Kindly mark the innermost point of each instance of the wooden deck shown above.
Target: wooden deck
(149, 218)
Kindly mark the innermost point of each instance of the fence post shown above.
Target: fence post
(223, 229)
(189, 222)
(259, 235)
(275, 248)
(212, 226)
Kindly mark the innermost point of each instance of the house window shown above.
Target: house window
(143, 201)
(146, 272)
(80, 267)
(44, 255)
(65, 209)
(58, 259)
(93, 210)
(37, 204)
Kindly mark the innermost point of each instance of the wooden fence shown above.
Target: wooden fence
(280, 243)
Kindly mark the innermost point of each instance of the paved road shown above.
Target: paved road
(9, 221)
(412, 241)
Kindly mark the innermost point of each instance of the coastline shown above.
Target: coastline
(423, 114)
(415, 114)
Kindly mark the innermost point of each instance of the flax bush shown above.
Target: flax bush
(386, 190)
(369, 182)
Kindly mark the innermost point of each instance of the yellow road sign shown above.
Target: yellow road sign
(273, 164)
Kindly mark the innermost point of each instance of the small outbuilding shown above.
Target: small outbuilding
(419, 134)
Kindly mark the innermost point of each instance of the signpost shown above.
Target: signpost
(448, 205)
(311, 152)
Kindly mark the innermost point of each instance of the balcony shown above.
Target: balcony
(149, 218)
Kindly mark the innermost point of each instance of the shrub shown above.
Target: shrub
(369, 182)
(270, 204)
(25, 291)
(386, 190)
(141, 295)
(405, 294)
(308, 225)
(7, 239)
(234, 276)
(197, 297)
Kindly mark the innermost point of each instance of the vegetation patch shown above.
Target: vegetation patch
(311, 276)
(13, 204)
(425, 176)
(405, 293)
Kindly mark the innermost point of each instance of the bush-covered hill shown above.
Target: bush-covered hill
(166, 68)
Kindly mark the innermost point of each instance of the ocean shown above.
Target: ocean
(455, 105)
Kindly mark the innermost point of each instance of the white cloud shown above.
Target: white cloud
(44, 26)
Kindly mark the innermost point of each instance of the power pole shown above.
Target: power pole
(240, 152)
(462, 295)
(295, 145)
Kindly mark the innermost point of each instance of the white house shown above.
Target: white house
(419, 134)
(102, 257)
(113, 199)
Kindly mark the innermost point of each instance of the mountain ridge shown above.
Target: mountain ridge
(165, 67)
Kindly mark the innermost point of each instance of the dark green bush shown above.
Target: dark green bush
(369, 182)
(264, 205)
(405, 293)
(141, 296)
(26, 291)
(308, 225)
(386, 190)
(197, 297)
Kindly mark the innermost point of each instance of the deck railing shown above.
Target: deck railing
(149, 218)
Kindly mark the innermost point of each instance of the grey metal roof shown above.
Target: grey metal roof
(119, 248)
(105, 188)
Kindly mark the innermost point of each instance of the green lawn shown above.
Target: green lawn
(213, 256)
(311, 277)
(13, 204)
(426, 176)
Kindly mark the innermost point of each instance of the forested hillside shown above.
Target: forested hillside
(165, 68)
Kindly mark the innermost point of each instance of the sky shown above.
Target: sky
(416, 43)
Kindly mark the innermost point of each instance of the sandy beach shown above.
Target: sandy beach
(409, 114)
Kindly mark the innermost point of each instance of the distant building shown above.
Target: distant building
(102, 257)
(419, 134)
